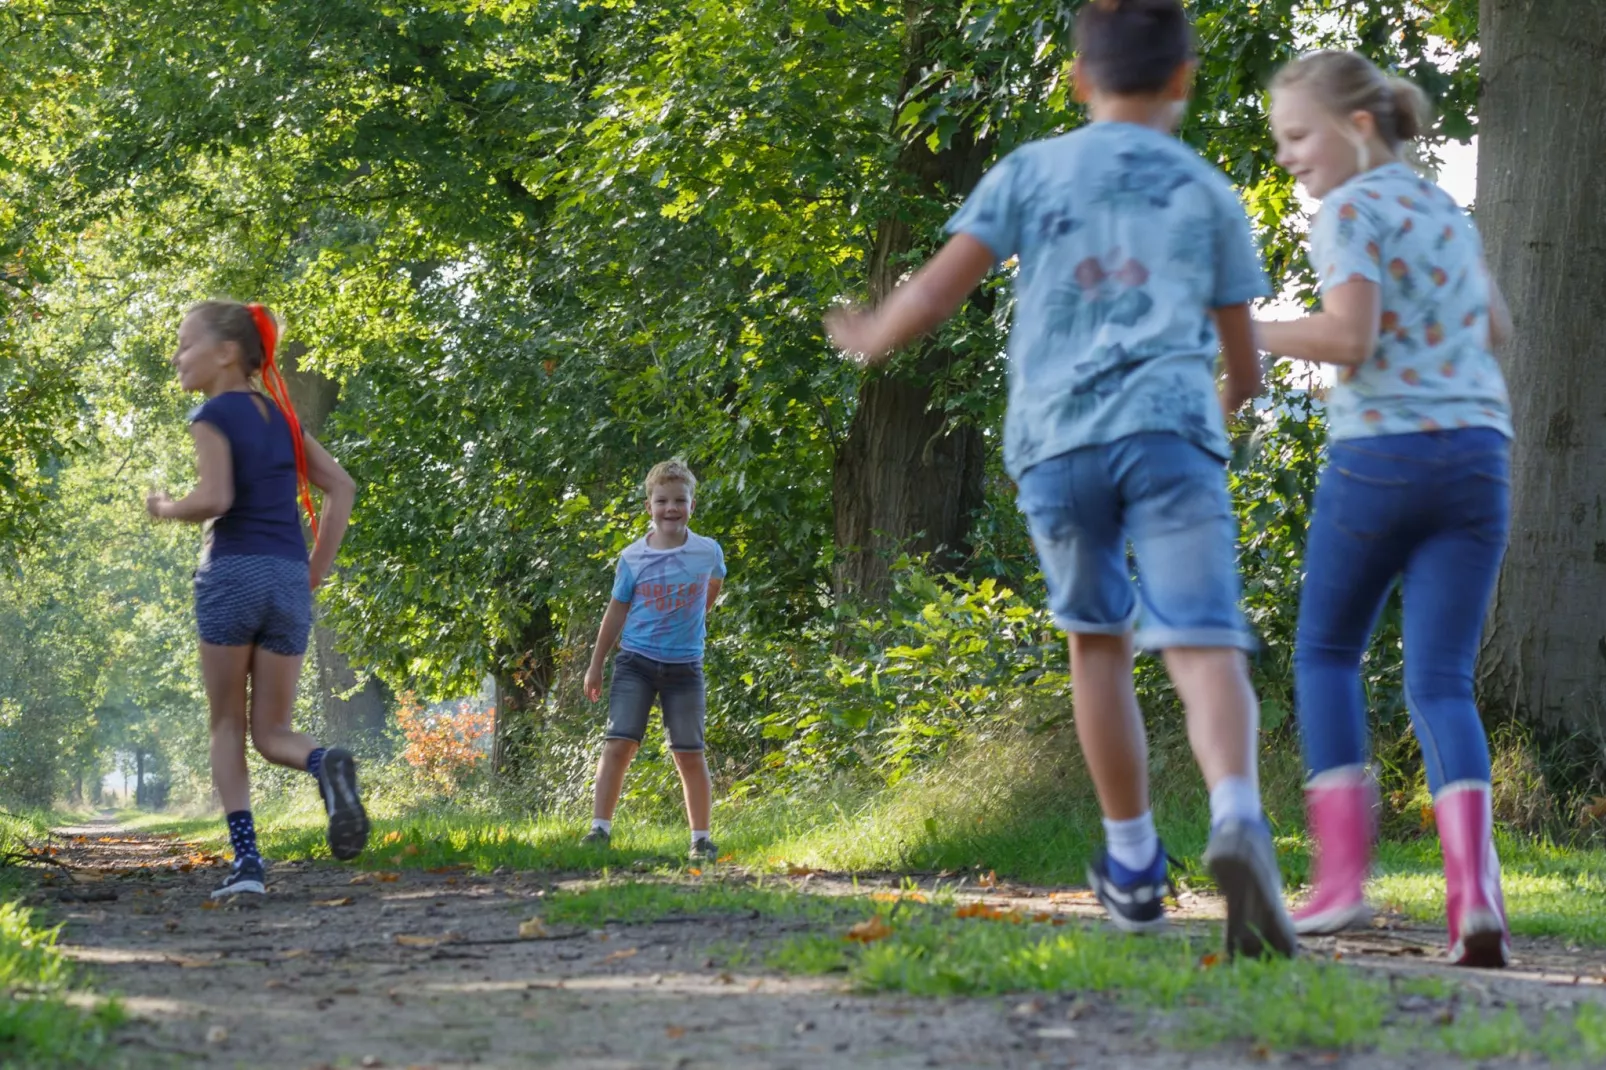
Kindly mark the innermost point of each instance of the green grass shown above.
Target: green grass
(1193, 997)
(39, 1026)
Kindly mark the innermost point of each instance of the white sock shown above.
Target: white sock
(1235, 797)
(1133, 842)
(698, 834)
(602, 823)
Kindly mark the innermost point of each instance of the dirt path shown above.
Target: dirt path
(337, 968)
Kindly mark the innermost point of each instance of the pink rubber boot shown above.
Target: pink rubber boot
(1339, 809)
(1473, 903)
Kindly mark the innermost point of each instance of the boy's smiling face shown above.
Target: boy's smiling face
(670, 505)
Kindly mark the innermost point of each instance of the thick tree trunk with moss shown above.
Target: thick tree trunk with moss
(351, 713)
(1542, 210)
(907, 476)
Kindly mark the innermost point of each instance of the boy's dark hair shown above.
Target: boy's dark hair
(1133, 46)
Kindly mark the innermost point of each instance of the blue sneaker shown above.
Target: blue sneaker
(247, 877)
(1134, 900)
(1244, 863)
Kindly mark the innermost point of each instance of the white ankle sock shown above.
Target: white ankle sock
(1235, 797)
(1133, 842)
(602, 823)
(698, 834)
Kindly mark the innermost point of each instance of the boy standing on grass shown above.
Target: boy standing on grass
(1136, 267)
(665, 584)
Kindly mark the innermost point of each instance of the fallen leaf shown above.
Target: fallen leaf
(387, 878)
(1208, 960)
(210, 904)
(622, 953)
(393, 836)
(726, 978)
(695, 872)
(988, 879)
(801, 871)
(362, 878)
(533, 929)
(343, 901)
(1260, 1051)
(870, 930)
(409, 940)
(294, 953)
(675, 1032)
(217, 1035)
(727, 858)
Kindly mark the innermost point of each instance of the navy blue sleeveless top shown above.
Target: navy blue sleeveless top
(264, 519)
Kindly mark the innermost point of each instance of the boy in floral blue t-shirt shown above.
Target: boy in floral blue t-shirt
(1136, 267)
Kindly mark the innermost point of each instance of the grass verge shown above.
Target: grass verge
(907, 943)
(39, 1025)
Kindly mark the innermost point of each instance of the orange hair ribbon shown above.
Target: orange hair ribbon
(274, 382)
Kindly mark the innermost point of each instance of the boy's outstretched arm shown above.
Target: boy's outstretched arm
(613, 622)
(714, 586)
(924, 300)
(1237, 333)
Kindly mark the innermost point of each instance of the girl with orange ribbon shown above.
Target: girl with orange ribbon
(253, 589)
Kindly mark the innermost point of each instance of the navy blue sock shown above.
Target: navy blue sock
(315, 761)
(243, 835)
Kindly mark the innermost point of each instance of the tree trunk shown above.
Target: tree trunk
(350, 714)
(1542, 209)
(139, 777)
(906, 477)
(523, 677)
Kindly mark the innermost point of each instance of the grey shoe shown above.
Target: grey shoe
(348, 822)
(1244, 863)
(704, 851)
(595, 838)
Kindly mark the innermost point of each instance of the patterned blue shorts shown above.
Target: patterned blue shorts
(252, 600)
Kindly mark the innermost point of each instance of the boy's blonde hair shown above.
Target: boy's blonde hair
(1347, 82)
(671, 471)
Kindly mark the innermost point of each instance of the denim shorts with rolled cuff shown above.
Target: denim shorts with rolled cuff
(679, 689)
(254, 600)
(1168, 498)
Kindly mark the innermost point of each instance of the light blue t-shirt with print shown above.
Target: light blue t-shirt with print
(1127, 240)
(668, 595)
(1432, 368)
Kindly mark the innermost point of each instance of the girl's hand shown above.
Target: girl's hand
(593, 684)
(856, 332)
(157, 504)
(316, 578)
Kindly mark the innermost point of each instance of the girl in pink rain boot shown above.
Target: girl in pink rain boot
(1416, 489)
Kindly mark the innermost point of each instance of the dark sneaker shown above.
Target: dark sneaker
(246, 877)
(595, 838)
(704, 851)
(348, 822)
(1134, 901)
(1244, 863)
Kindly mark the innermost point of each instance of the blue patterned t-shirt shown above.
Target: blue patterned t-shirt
(668, 595)
(1127, 240)
(1432, 368)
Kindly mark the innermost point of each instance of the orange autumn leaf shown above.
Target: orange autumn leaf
(988, 879)
(1208, 960)
(870, 930)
